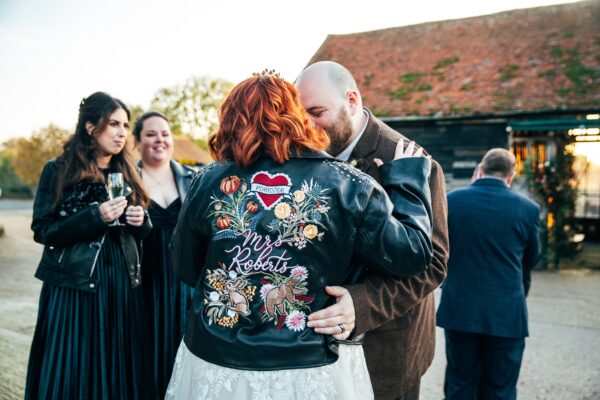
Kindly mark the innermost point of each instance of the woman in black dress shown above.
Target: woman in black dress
(88, 341)
(166, 298)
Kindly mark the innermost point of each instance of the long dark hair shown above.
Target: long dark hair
(78, 160)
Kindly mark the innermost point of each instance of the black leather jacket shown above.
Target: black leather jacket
(261, 243)
(72, 242)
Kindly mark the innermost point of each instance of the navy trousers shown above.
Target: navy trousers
(482, 366)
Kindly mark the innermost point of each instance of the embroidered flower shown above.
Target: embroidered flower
(310, 231)
(282, 210)
(301, 272)
(232, 274)
(213, 296)
(299, 196)
(218, 205)
(295, 321)
(266, 288)
(231, 313)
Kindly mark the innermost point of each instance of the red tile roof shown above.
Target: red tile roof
(544, 58)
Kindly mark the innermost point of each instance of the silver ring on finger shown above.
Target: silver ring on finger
(342, 327)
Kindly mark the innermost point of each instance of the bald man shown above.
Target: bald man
(495, 245)
(396, 316)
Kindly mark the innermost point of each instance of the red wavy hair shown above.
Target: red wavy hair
(263, 115)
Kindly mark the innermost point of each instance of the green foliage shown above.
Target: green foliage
(400, 93)
(422, 87)
(551, 73)
(383, 112)
(411, 77)
(192, 106)
(554, 182)
(579, 74)
(556, 52)
(563, 91)
(446, 62)
(508, 71)
(31, 154)
(10, 183)
(438, 74)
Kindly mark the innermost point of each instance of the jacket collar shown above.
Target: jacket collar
(181, 174)
(312, 154)
(490, 182)
(182, 178)
(368, 142)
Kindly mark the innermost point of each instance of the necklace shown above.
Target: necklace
(156, 180)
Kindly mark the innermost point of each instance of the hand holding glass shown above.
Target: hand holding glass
(116, 188)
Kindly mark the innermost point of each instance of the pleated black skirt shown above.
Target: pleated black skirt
(167, 299)
(92, 345)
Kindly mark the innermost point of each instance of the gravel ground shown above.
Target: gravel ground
(561, 361)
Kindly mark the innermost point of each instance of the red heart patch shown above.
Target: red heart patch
(270, 189)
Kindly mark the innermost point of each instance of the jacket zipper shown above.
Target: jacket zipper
(62, 253)
(97, 254)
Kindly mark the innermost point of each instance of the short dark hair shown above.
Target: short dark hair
(139, 122)
(498, 162)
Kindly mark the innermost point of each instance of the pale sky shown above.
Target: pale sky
(54, 53)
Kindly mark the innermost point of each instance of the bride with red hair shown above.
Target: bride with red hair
(264, 230)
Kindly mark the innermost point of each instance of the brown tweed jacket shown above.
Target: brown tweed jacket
(398, 315)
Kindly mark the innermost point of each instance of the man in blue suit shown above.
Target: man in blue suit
(494, 245)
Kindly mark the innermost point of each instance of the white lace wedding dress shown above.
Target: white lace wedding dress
(196, 379)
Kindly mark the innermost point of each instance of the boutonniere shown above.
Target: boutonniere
(357, 163)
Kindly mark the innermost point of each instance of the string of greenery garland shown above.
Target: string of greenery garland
(554, 182)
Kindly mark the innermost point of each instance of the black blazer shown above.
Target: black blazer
(494, 245)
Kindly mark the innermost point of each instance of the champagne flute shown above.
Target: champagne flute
(116, 188)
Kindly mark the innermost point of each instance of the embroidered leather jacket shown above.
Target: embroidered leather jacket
(73, 236)
(259, 244)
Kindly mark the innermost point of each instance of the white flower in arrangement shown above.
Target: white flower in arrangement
(266, 288)
(295, 321)
(213, 296)
(299, 196)
(302, 272)
(232, 274)
(231, 313)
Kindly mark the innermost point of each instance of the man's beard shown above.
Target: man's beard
(339, 132)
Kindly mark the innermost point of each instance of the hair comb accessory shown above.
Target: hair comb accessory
(268, 72)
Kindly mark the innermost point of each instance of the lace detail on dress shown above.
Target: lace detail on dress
(194, 378)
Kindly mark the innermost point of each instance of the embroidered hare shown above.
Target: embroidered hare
(286, 291)
(237, 301)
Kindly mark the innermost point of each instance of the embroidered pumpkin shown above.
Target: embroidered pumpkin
(230, 184)
(223, 222)
(252, 207)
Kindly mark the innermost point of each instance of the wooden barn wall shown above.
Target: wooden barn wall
(457, 147)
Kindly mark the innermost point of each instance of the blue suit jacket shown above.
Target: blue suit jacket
(494, 244)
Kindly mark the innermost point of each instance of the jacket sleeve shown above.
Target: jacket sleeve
(394, 237)
(189, 243)
(532, 250)
(379, 300)
(86, 224)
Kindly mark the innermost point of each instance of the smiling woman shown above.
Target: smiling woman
(166, 298)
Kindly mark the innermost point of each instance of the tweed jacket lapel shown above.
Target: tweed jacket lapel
(364, 152)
